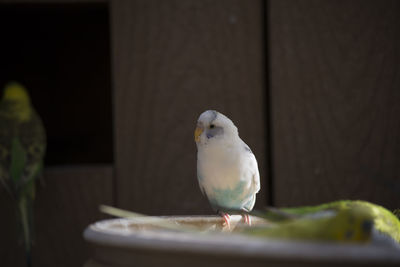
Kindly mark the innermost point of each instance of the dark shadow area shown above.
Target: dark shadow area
(269, 145)
(61, 53)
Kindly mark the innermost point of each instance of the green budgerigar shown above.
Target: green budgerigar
(340, 221)
(22, 148)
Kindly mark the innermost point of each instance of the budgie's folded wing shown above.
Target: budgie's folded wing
(5, 156)
(33, 140)
(18, 161)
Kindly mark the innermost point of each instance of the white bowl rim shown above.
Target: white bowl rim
(100, 233)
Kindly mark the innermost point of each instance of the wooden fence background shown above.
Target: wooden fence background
(313, 86)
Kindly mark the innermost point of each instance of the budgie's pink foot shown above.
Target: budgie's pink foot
(247, 219)
(227, 219)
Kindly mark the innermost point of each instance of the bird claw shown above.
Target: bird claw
(247, 219)
(227, 219)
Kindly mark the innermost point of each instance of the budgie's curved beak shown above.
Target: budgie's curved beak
(197, 132)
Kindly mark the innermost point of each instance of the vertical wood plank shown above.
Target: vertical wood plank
(64, 207)
(335, 82)
(52, 1)
(172, 60)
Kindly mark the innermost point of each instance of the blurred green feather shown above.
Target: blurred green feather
(339, 221)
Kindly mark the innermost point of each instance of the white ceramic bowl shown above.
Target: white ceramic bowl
(134, 242)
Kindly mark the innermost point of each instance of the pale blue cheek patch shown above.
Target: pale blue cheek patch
(229, 198)
(214, 132)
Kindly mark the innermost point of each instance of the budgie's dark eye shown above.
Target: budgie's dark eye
(212, 126)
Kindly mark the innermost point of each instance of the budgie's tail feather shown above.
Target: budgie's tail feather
(25, 211)
(29, 259)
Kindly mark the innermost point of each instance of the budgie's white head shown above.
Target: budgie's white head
(213, 125)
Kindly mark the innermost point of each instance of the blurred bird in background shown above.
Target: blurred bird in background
(22, 149)
(227, 169)
(348, 221)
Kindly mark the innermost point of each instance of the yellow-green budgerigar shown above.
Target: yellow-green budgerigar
(22, 148)
(339, 221)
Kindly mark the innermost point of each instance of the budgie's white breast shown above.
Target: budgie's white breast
(228, 175)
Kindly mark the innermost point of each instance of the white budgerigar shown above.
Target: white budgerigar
(227, 169)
